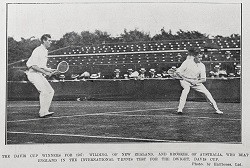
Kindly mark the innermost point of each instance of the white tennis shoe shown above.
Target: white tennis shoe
(218, 112)
(46, 114)
(178, 112)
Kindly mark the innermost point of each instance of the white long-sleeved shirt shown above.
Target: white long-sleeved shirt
(39, 57)
(192, 70)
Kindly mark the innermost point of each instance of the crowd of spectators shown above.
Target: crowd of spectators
(142, 73)
(219, 72)
(129, 74)
(139, 74)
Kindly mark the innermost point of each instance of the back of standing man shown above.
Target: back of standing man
(37, 64)
(193, 72)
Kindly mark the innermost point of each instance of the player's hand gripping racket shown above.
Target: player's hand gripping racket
(172, 73)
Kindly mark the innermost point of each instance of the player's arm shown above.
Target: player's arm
(42, 70)
(50, 70)
(34, 62)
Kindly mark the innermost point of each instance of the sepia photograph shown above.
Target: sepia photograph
(137, 83)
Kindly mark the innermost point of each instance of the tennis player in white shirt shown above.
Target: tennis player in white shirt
(193, 72)
(37, 72)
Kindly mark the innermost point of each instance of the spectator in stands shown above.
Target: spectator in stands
(94, 76)
(238, 70)
(128, 73)
(125, 76)
(84, 75)
(37, 72)
(211, 74)
(142, 74)
(133, 74)
(99, 75)
(193, 72)
(219, 73)
(164, 73)
(158, 76)
(117, 74)
(231, 75)
(74, 76)
(152, 73)
(223, 73)
(216, 71)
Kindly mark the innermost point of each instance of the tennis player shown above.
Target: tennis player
(193, 72)
(37, 72)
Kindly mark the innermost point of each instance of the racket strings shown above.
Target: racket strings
(63, 67)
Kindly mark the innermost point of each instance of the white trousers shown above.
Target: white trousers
(199, 88)
(44, 88)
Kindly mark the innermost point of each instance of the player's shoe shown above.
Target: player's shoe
(48, 114)
(178, 112)
(218, 112)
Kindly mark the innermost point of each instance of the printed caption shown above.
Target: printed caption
(193, 159)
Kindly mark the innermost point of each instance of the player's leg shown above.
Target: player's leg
(203, 90)
(186, 88)
(45, 90)
(46, 96)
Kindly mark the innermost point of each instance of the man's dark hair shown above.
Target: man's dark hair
(45, 37)
(194, 51)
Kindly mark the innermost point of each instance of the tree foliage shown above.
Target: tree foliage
(18, 50)
(134, 36)
(180, 34)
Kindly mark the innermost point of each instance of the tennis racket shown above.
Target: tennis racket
(62, 68)
(172, 73)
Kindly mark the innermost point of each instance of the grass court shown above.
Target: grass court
(122, 122)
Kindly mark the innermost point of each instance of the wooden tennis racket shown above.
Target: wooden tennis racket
(62, 68)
